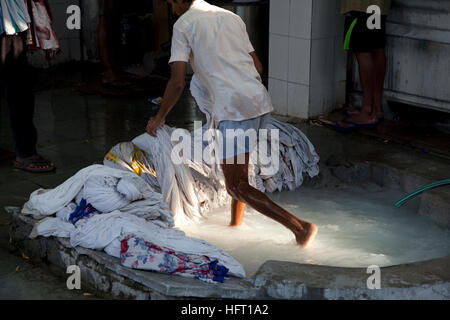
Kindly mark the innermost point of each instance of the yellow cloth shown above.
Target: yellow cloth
(362, 5)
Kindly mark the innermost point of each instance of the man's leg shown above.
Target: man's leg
(236, 180)
(237, 212)
(379, 59)
(366, 67)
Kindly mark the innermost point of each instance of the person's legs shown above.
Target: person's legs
(17, 79)
(236, 181)
(371, 66)
(20, 100)
(113, 74)
(109, 41)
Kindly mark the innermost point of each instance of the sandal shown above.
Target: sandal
(362, 125)
(353, 125)
(116, 84)
(35, 165)
(339, 128)
(131, 76)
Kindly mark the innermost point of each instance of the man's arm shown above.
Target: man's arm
(257, 62)
(173, 92)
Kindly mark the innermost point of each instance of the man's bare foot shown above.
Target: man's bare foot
(234, 225)
(307, 235)
(112, 79)
(362, 118)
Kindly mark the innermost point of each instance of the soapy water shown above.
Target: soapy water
(356, 229)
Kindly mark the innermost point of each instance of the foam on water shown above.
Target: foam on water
(356, 229)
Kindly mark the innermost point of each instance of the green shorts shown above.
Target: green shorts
(359, 38)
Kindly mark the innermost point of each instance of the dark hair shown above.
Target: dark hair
(177, 0)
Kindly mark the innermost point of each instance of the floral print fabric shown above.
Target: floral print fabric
(137, 253)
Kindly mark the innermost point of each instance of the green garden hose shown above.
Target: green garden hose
(420, 190)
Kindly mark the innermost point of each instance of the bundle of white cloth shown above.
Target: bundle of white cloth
(127, 205)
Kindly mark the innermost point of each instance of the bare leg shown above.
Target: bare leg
(107, 55)
(379, 58)
(237, 212)
(103, 47)
(236, 180)
(367, 70)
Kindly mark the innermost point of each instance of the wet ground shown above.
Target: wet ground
(78, 130)
(75, 131)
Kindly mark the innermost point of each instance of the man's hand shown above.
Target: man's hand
(154, 124)
(174, 89)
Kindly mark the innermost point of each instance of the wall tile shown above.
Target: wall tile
(322, 61)
(300, 19)
(299, 60)
(340, 59)
(278, 56)
(279, 94)
(322, 99)
(324, 19)
(279, 17)
(298, 100)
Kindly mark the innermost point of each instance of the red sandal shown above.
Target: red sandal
(35, 165)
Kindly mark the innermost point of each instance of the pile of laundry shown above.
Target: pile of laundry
(131, 206)
(114, 210)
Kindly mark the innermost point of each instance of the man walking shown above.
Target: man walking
(216, 44)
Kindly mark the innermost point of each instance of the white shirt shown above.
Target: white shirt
(216, 43)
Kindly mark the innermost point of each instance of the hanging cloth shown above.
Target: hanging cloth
(14, 17)
(42, 34)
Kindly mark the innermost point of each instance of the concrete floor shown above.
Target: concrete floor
(76, 131)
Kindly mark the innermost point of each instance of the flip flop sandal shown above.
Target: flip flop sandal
(30, 164)
(132, 76)
(340, 128)
(361, 125)
(116, 84)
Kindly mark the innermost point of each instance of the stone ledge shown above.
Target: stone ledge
(422, 280)
(274, 280)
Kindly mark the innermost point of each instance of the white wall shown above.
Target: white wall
(307, 62)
